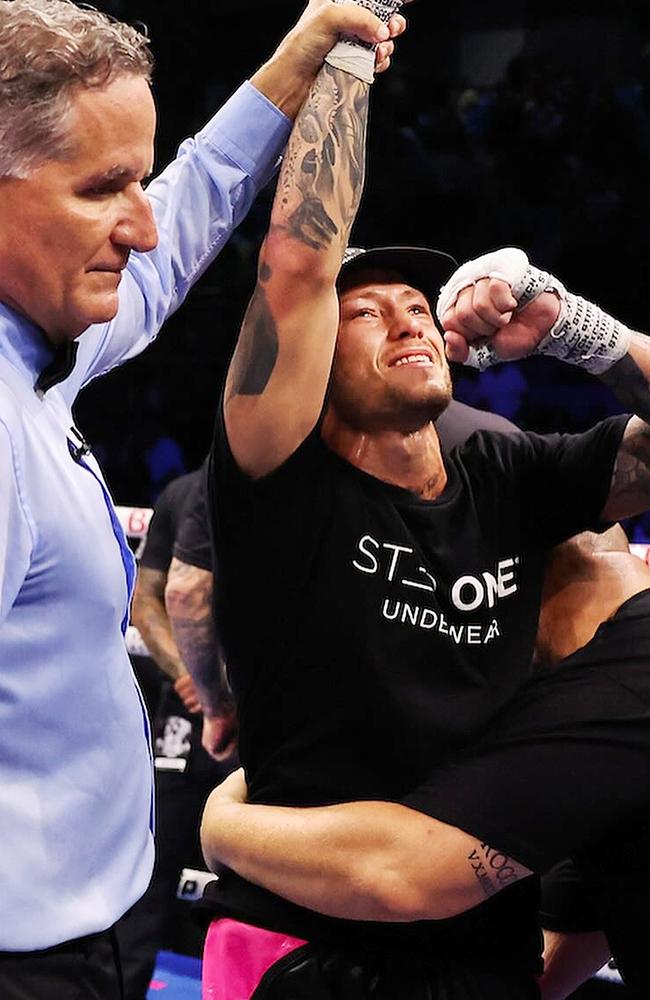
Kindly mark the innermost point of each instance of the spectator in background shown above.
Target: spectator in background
(177, 557)
(188, 599)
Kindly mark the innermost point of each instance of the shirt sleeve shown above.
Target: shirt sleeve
(16, 536)
(197, 202)
(555, 485)
(193, 543)
(459, 422)
(157, 552)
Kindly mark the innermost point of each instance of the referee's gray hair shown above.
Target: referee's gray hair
(48, 48)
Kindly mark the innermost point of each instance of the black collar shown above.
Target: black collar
(59, 367)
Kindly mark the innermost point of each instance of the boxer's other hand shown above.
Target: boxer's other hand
(486, 311)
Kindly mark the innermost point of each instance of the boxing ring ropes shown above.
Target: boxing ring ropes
(135, 524)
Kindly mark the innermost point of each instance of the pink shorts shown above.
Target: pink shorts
(236, 957)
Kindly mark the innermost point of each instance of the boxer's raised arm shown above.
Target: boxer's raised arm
(279, 373)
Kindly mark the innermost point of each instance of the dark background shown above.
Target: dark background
(508, 123)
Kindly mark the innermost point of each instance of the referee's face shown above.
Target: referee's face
(390, 369)
(66, 231)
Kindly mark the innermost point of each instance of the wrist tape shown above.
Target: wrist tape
(582, 335)
(352, 54)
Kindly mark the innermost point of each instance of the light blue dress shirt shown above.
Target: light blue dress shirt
(76, 848)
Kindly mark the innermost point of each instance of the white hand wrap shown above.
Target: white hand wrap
(582, 335)
(355, 56)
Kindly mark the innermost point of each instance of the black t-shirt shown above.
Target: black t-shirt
(370, 633)
(174, 520)
(193, 544)
(459, 421)
(166, 520)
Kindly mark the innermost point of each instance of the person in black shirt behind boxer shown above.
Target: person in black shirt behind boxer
(175, 569)
(378, 604)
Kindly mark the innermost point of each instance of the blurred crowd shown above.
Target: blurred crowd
(552, 158)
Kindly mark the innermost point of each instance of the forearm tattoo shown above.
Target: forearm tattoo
(493, 870)
(630, 385)
(196, 637)
(318, 195)
(630, 486)
(257, 351)
(322, 179)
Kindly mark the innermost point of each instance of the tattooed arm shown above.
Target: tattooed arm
(629, 378)
(359, 860)
(188, 599)
(279, 373)
(151, 619)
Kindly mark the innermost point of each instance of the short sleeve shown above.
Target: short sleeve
(16, 540)
(556, 485)
(193, 543)
(275, 522)
(157, 552)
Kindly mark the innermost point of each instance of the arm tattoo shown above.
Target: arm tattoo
(628, 382)
(195, 633)
(257, 351)
(322, 180)
(493, 870)
(318, 195)
(630, 486)
(152, 621)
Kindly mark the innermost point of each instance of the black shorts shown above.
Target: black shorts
(256, 964)
(566, 765)
(326, 973)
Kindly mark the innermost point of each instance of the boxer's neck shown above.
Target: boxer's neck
(411, 460)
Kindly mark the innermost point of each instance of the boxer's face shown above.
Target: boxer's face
(390, 369)
(66, 231)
